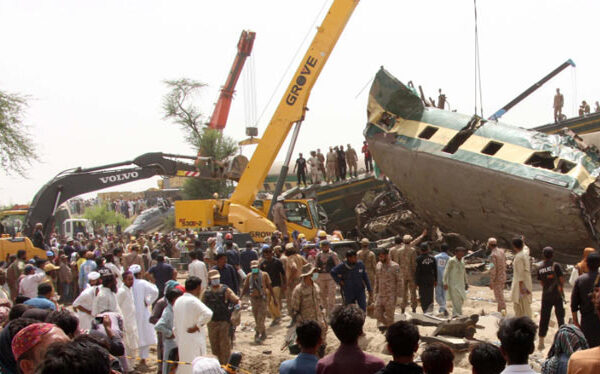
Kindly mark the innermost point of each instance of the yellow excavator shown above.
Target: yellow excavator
(240, 211)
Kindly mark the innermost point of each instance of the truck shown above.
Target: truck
(240, 211)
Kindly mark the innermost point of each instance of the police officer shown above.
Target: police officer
(351, 275)
(326, 260)
(551, 277)
(426, 277)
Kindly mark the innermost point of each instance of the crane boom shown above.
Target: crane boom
(292, 106)
(530, 90)
(218, 120)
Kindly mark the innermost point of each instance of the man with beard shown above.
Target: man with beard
(127, 306)
(144, 294)
(84, 303)
(106, 300)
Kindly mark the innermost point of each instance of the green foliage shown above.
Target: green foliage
(17, 149)
(178, 108)
(169, 223)
(209, 142)
(100, 215)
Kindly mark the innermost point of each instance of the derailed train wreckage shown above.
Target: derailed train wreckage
(485, 178)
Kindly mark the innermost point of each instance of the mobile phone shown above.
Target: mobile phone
(99, 320)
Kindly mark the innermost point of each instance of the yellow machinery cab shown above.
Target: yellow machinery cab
(10, 246)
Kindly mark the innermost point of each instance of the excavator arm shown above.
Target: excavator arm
(292, 106)
(78, 181)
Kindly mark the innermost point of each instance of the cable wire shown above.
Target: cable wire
(477, 66)
(293, 60)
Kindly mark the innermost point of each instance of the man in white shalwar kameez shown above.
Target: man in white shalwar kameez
(190, 315)
(84, 303)
(144, 294)
(106, 299)
(127, 306)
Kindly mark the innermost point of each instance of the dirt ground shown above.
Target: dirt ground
(266, 357)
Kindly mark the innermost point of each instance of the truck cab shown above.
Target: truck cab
(72, 227)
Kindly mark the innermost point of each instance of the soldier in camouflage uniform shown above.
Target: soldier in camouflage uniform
(387, 289)
(326, 260)
(306, 301)
(405, 255)
(292, 264)
(368, 258)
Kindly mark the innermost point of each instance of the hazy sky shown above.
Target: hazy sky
(94, 70)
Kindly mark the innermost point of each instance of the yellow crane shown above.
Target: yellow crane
(238, 211)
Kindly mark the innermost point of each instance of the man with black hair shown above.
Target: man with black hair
(441, 259)
(455, 280)
(248, 255)
(160, 274)
(197, 267)
(437, 359)
(551, 277)
(426, 277)
(189, 316)
(228, 274)
(66, 320)
(582, 301)
(106, 299)
(347, 323)
(521, 284)
(403, 342)
(352, 277)
(43, 300)
(517, 342)
(308, 337)
(76, 357)
(165, 327)
(273, 266)
(486, 358)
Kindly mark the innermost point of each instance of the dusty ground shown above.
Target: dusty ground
(266, 357)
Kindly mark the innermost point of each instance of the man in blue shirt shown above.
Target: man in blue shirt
(229, 275)
(42, 301)
(441, 259)
(161, 273)
(308, 337)
(352, 277)
(247, 256)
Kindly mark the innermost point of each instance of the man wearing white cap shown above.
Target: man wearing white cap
(127, 306)
(84, 303)
(144, 294)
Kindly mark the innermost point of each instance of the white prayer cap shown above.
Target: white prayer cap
(93, 275)
(135, 268)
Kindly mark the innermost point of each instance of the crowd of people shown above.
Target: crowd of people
(119, 296)
(336, 166)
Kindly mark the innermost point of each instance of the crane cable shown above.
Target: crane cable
(293, 60)
(477, 66)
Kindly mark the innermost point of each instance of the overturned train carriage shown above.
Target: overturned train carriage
(484, 178)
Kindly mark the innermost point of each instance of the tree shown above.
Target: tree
(17, 149)
(208, 142)
(100, 215)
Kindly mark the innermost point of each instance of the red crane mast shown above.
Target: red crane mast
(218, 120)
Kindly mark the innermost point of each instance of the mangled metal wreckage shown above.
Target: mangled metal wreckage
(485, 178)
